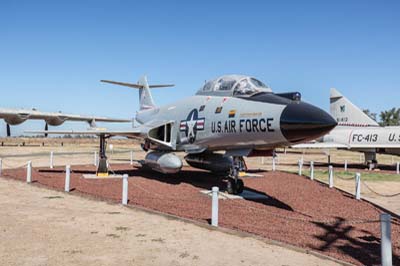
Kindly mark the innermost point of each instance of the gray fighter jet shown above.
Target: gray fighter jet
(18, 116)
(229, 118)
(356, 131)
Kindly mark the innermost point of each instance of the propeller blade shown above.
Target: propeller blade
(46, 128)
(8, 130)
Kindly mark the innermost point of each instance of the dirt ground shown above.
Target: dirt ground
(78, 153)
(44, 227)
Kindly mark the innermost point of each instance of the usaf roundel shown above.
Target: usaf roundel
(191, 125)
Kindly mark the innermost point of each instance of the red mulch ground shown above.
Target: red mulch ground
(298, 211)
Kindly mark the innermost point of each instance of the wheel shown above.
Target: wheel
(234, 186)
(239, 186)
(230, 186)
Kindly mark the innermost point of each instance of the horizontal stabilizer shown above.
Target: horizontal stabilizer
(137, 86)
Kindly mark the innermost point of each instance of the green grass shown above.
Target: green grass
(370, 176)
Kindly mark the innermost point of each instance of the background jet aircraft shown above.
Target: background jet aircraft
(356, 131)
(18, 116)
(235, 114)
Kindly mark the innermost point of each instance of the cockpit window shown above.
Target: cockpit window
(233, 85)
(258, 83)
(225, 84)
(207, 86)
(244, 87)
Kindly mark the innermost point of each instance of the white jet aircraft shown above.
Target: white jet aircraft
(356, 131)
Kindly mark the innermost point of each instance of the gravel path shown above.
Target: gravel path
(298, 211)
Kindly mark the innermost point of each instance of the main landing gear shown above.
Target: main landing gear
(235, 185)
(102, 168)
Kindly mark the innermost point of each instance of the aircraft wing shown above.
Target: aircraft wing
(138, 132)
(321, 145)
(17, 116)
(144, 131)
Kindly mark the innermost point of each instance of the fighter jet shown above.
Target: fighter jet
(230, 117)
(18, 116)
(356, 131)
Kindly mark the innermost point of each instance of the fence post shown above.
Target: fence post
(125, 189)
(398, 168)
(358, 186)
(300, 167)
(29, 173)
(262, 160)
(67, 178)
(1, 166)
(330, 171)
(273, 164)
(214, 207)
(360, 158)
(95, 158)
(386, 240)
(345, 165)
(131, 157)
(312, 170)
(51, 160)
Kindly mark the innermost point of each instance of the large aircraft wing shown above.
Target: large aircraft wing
(139, 132)
(17, 116)
(150, 131)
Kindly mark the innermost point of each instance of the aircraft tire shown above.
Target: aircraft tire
(230, 186)
(239, 186)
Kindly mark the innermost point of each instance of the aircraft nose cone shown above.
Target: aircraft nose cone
(303, 122)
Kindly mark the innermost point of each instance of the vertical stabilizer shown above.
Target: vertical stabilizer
(145, 98)
(346, 113)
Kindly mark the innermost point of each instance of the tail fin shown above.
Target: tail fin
(145, 98)
(346, 113)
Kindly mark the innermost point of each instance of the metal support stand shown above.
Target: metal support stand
(102, 168)
(312, 170)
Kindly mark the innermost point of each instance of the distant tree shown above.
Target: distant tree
(371, 115)
(390, 117)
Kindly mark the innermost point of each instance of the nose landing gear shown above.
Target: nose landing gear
(235, 185)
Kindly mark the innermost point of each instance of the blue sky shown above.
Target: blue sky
(53, 53)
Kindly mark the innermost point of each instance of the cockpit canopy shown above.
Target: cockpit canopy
(233, 85)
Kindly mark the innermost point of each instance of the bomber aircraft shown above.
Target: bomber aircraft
(229, 118)
(18, 116)
(356, 131)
